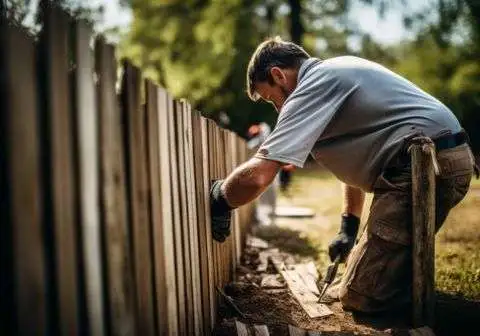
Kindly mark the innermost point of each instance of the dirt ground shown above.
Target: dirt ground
(457, 269)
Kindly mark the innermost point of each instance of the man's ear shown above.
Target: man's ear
(278, 76)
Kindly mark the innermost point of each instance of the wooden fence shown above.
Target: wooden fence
(105, 225)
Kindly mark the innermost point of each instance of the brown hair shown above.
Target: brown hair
(273, 52)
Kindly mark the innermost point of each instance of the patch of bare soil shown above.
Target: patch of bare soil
(277, 308)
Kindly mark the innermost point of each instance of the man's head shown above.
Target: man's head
(272, 71)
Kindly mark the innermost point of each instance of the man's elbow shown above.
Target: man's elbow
(262, 181)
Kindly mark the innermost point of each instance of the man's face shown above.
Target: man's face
(284, 82)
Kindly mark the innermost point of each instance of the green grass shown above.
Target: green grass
(457, 245)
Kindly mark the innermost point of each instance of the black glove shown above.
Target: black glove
(345, 239)
(220, 212)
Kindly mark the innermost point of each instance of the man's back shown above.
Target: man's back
(359, 112)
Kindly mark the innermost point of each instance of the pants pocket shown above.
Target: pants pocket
(383, 271)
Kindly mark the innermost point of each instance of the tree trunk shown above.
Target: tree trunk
(296, 26)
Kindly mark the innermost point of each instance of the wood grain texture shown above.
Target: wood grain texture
(58, 170)
(23, 280)
(138, 190)
(423, 194)
(241, 328)
(169, 324)
(294, 331)
(177, 226)
(113, 201)
(208, 242)
(193, 221)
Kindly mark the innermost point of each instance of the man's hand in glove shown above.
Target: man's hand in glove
(220, 212)
(345, 239)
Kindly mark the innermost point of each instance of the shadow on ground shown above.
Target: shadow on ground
(291, 241)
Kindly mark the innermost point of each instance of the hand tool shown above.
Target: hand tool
(330, 276)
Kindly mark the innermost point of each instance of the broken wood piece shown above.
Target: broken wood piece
(242, 329)
(263, 258)
(277, 262)
(304, 296)
(308, 273)
(271, 281)
(256, 242)
(260, 330)
(294, 331)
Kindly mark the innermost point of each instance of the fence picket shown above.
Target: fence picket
(167, 311)
(120, 302)
(23, 280)
(136, 147)
(60, 194)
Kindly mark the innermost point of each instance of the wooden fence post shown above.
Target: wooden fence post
(119, 285)
(423, 201)
(86, 117)
(138, 189)
(58, 170)
(23, 275)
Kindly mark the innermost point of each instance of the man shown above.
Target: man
(356, 118)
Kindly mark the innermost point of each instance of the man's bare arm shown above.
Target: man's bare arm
(249, 180)
(353, 199)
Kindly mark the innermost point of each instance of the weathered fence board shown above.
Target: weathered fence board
(118, 269)
(164, 235)
(23, 290)
(58, 170)
(192, 218)
(87, 143)
(177, 227)
(207, 243)
(137, 188)
(185, 223)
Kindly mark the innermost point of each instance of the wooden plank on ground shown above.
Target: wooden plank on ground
(23, 280)
(304, 296)
(300, 290)
(58, 170)
(118, 270)
(138, 189)
(241, 328)
(308, 273)
(260, 330)
(294, 331)
(206, 243)
(167, 308)
(175, 195)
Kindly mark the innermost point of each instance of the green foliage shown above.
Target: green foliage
(199, 49)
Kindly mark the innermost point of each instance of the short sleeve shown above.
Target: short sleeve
(304, 117)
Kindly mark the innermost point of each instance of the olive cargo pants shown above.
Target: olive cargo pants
(378, 274)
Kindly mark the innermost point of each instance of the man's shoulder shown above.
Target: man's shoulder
(350, 61)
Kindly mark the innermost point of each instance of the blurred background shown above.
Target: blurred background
(199, 49)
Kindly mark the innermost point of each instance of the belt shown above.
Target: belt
(442, 142)
(450, 140)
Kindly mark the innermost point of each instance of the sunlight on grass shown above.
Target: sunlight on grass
(457, 245)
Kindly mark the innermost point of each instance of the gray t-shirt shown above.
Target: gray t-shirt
(353, 116)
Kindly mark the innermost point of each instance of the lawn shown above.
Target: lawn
(457, 245)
